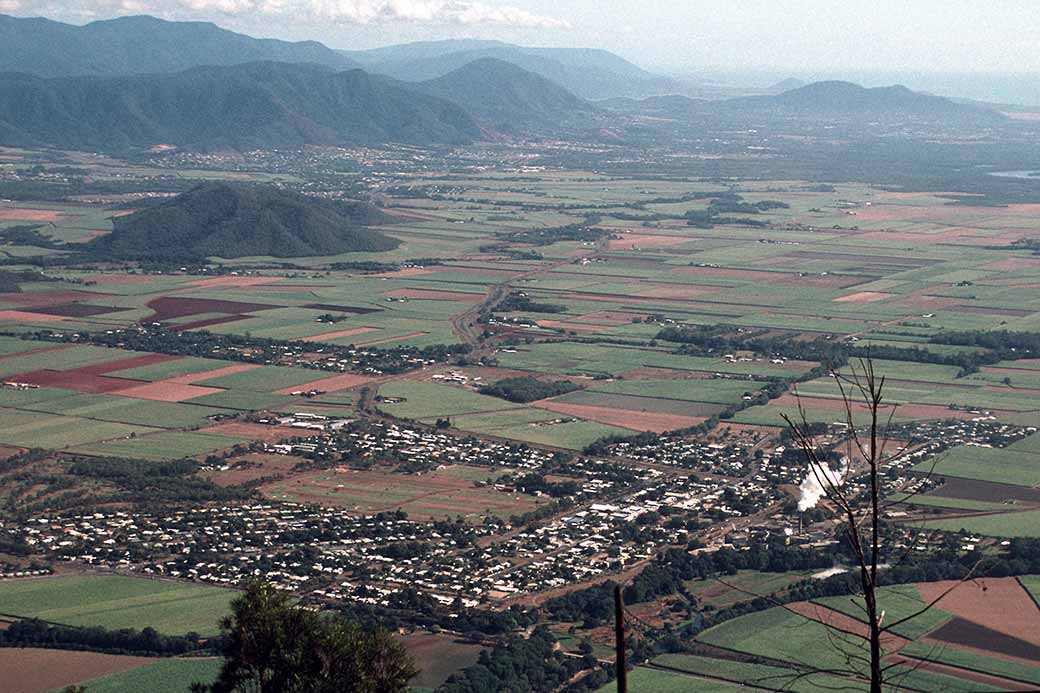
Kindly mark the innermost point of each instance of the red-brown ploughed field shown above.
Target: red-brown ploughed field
(48, 298)
(75, 380)
(208, 375)
(32, 670)
(23, 214)
(166, 392)
(987, 491)
(74, 310)
(333, 384)
(268, 434)
(989, 683)
(170, 307)
(1000, 604)
(964, 633)
(839, 621)
(338, 334)
(127, 363)
(26, 316)
(91, 379)
(632, 420)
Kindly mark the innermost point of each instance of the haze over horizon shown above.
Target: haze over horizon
(958, 48)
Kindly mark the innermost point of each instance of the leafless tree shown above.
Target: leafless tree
(855, 492)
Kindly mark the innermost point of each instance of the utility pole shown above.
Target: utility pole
(619, 641)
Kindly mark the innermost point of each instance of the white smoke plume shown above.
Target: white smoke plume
(463, 12)
(814, 486)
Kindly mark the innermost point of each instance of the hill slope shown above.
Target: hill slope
(256, 105)
(835, 98)
(507, 98)
(586, 72)
(137, 45)
(234, 220)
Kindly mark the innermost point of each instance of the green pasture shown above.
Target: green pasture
(167, 445)
(116, 601)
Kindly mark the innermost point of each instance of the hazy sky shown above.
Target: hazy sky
(803, 36)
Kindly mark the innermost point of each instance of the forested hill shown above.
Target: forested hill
(588, 72)
(133, 45)
(240, 220)
(827, 99)
(507, 98)
(255, 105)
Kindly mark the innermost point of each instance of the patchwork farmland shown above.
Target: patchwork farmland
(558, 379)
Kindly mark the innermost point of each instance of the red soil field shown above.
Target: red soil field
(127, 363)
(25, 316)
(268, 434)
(333, 384)
(965, 633)
(32, 670)
(987, 491)
(993, 683)
(74, 380)
(632, 420)
(839, 621)
(48, 298)
(166, 392)
(920, 300)
(917, 411)
(7, 451)
(1000, 604)
(864, 297)
(1013, 264)
(340, 333)
(208, 375)
(23, 214)
(434, 295)
(169, 307)
(74, 310)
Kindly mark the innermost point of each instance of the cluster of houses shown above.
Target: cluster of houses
(627, 508)
(363, 440)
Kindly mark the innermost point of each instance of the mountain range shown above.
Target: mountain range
(144, 45)
(138, 82)
(507, 99)
(586, 72)
(239, 220)
(141, 45)
(828, 101)
(255, 105)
